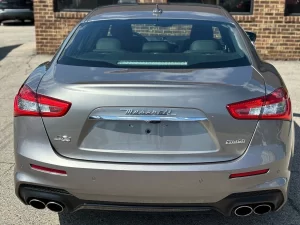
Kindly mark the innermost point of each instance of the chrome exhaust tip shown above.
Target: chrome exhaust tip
(262, 209)
(55, 207)
(243, 211)
(38, 204)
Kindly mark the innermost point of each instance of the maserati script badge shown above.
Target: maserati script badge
(149, 112)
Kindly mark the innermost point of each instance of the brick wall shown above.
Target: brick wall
(278, 35)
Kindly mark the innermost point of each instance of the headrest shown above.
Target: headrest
(108, 44)
(121, 31)
(156, 46)
(201, 32)
(205, 45)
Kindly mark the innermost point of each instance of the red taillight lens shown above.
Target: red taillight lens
(275, 106)
(29, 103)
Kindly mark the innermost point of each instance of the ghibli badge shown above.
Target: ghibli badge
(63, 138)
(233, 142)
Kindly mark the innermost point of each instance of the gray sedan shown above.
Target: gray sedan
(155, 108)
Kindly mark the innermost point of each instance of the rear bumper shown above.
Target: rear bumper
(226, 206)
(121, 186)
(151, 184)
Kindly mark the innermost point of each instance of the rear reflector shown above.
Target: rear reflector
(274, 106)
(248, 174)
(48, 170)
(29, 103)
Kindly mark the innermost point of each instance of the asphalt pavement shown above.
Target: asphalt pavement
(17, 60)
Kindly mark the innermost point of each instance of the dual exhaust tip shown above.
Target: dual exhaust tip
(248, 210)
(53, 206)
(240, 211)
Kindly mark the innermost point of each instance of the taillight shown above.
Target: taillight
(29, 103)
(275, 106)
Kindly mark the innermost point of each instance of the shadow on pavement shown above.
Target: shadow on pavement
(296, 114)
(289, 214)
(17, 23)
(5, 50)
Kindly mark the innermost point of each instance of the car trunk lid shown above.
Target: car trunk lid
(150, 116)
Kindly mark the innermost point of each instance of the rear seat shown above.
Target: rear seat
(205, 46)
(156, 47)
(108, 45)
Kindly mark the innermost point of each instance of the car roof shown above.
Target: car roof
(170, 11)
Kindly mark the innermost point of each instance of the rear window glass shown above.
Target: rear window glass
(155, 43)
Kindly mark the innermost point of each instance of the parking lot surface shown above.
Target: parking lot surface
(17, 60)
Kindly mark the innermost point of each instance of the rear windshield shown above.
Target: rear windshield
(155, 43)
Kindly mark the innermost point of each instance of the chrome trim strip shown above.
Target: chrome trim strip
(142, 208)
(148, 118)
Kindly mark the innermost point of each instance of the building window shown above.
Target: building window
(233, 6)
(292, 7)
(237, 6)
(80, 5)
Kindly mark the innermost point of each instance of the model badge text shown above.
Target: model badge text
(233, 142)
(63, 138)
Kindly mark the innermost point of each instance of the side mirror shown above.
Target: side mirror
(252, 36)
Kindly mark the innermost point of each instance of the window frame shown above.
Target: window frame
(55, 8)
(240, 13)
